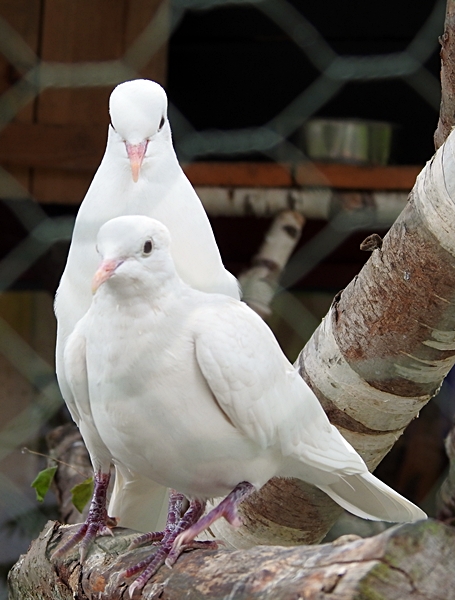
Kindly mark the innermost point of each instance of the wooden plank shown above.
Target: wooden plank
(86, 30)
(356, 177)
(60, 187)
(92, 31)
(148, 22)
(72, 147)
(239, 174)
(79, 148)
(23, 16)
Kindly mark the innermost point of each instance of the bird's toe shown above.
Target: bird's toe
(146, 538)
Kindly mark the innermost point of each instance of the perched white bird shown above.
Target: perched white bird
(193, 391)
(139, 174)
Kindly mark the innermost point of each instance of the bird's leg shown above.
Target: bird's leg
(181, 537)
(154, 562)
(177, 507)
(97, 523)
(227, 508)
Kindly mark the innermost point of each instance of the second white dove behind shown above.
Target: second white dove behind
(139, 113)
(139, 174)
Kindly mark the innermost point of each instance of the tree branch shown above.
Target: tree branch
(378, 357)
(259, 282)
(446, 498)
(405, 562)
(447, 108)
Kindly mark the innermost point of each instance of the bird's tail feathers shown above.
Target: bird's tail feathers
(364, 495)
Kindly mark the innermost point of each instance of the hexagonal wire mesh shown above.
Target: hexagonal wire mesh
(29, 370)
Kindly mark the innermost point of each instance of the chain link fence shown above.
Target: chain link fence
(30, 395)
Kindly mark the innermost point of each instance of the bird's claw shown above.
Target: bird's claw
(166, 554)
(147, 538)
(180, 535)
(176, 551)
(85, 535)
(227, 509)
(93, 531)
(176, 510)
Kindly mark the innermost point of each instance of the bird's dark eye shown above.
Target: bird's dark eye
(147, 247)
(163, 120)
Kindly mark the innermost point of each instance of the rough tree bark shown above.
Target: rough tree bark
(446, 500)
(259, 283)
(409, 562)
(447, 108)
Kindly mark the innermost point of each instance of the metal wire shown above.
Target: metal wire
(335, 72)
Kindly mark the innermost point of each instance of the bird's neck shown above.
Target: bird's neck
(139, 294)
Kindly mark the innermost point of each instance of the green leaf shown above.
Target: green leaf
(81, 493)
(43, 481)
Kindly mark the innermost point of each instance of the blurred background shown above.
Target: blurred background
(323, 109)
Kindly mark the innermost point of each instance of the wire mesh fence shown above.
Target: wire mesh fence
(30, 395)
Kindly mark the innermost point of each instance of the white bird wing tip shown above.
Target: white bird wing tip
(366, 496)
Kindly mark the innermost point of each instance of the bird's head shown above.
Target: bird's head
(135, 252)
(138, 111)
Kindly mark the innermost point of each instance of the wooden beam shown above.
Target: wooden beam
(237, 174)
(357, 177)
(71, 147)
(79, 148)
(24, 18)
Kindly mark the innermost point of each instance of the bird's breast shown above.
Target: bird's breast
(158, 417)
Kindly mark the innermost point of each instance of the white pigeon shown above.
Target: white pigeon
(139, 174)
(193, 391)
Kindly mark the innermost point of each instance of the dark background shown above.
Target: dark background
(233, 67)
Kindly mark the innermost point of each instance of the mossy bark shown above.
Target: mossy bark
(414, 562)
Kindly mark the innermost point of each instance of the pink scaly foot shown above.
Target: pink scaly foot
(177, 507)
(97, 523)
(182, 536)
(154, 562)
(227, 508)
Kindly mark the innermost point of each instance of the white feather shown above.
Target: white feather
(191, 390)
(138, 109)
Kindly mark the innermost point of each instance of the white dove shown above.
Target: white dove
(139, 174)
(193, 391)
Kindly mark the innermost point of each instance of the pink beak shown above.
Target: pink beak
(105, 270)
(136, 153)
